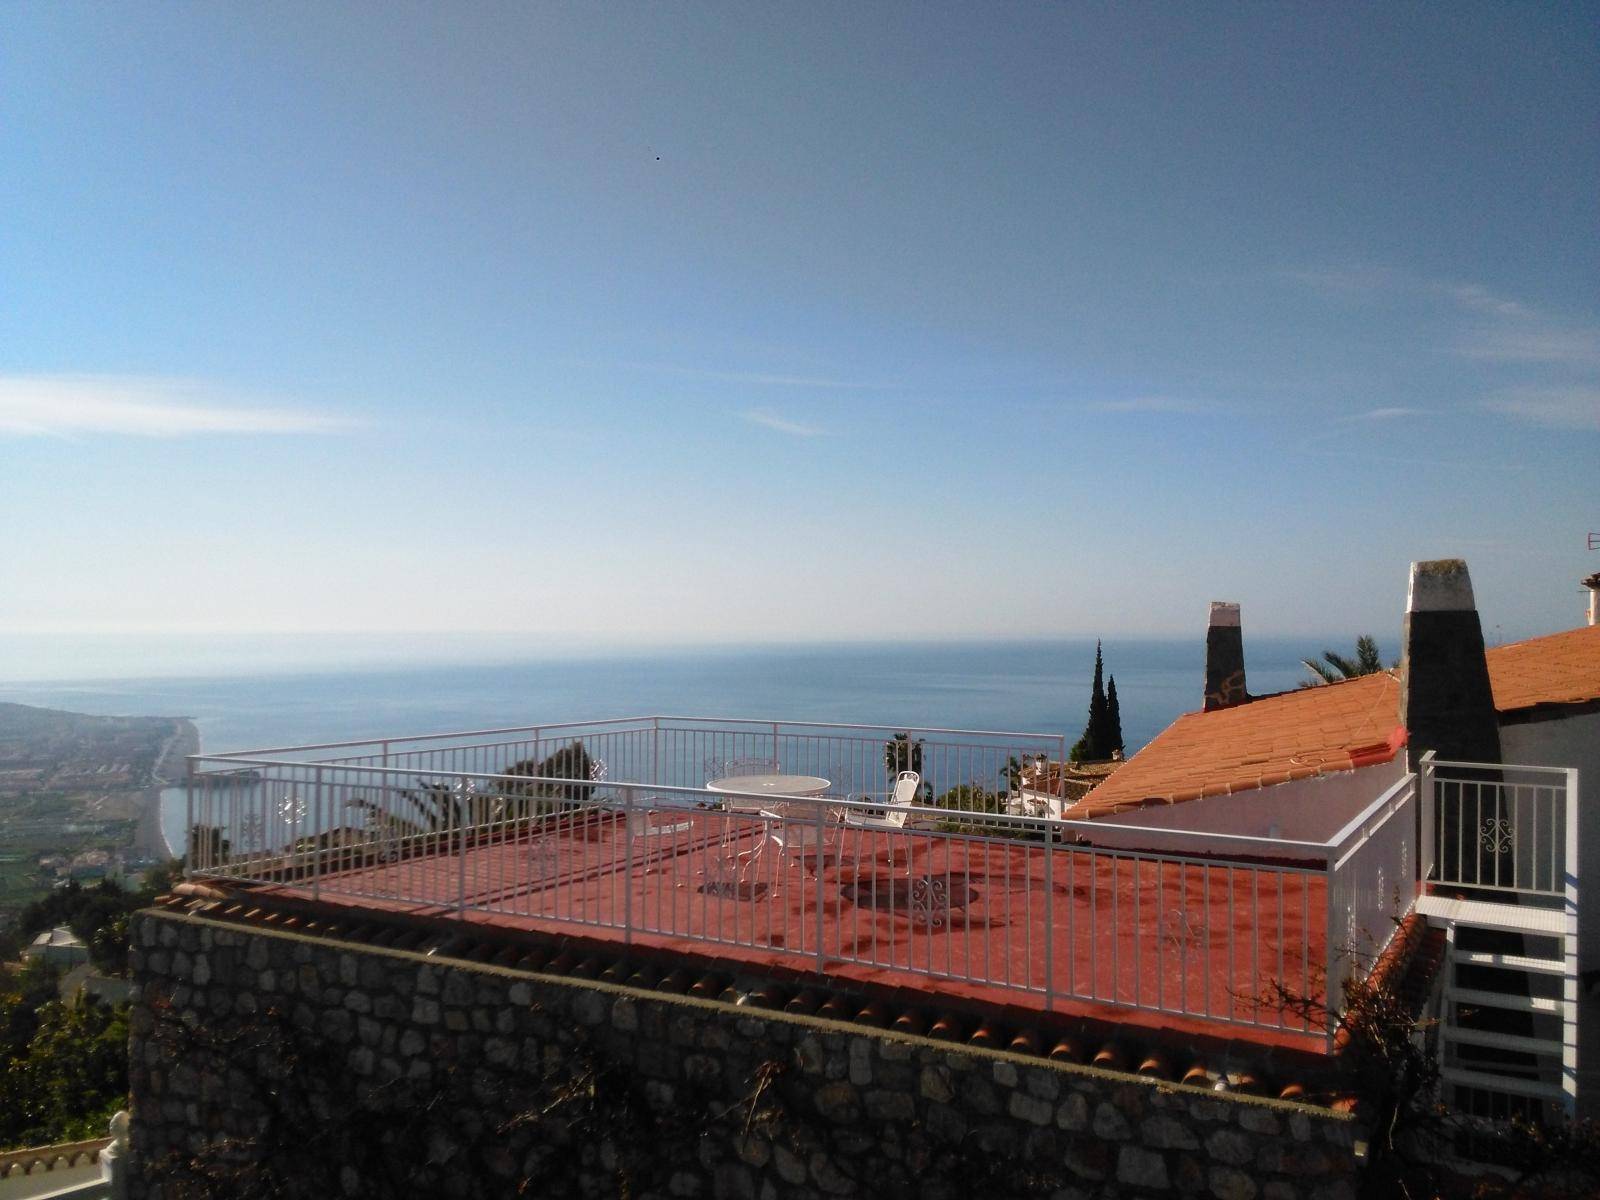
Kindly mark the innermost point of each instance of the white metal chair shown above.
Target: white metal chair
(642, 820)
(906, 785)
(794, 830)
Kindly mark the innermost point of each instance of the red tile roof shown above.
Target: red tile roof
(1563, 668)
(1336, 727)
(1274, 739)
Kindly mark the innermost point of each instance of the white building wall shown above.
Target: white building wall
(1570, 742)
(1574, 741)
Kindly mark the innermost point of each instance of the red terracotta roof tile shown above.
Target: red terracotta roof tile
(1337, 727)
(1274, 739)
(1563, 668)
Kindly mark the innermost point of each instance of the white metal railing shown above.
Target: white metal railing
(969, 769)
(1501, 858)
(1205, 926)
(1496, 828)
(1372, 883)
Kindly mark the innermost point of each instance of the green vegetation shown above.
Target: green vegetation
(1333, 667)
(569, 762)
(63, 1068)
(1102, 735)
(971, 798)
(900, 753)
(98, 915)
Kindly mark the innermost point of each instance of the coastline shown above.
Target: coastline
(150, 839)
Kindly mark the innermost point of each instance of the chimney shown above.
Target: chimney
(1445, 701)
(1224, 657)
(1592, 582)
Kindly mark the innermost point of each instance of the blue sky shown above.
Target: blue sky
(767, 322)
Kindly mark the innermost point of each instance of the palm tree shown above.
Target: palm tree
(441, 806)
(1332, 667)
(902, 754)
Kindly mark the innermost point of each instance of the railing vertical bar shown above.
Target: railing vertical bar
(819, 848)
(1116, 926)
(1233, 949)
(1094, 923)
(189, 821)
(1205, 880)
(461, 868)
(319, 799)
(1305, 939)
(1049, 919)
(1138, 932)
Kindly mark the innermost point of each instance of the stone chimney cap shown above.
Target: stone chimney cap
(1223, 613)
(1440, 585)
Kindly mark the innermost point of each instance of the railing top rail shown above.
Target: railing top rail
(767, 723)
(1255, 848)
(634, 722)
(1481, 766)
(382, 739)
(1222, 842)
(1254, 844)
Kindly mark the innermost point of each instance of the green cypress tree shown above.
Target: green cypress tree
(1092, 744)
(1113, 718)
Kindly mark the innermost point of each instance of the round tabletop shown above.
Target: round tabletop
(771, 785)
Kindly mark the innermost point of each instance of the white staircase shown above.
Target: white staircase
(1499, 861)
(1508, 1038)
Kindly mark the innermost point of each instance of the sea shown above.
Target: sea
(1024, 686)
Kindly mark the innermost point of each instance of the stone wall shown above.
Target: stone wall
(271, 1063)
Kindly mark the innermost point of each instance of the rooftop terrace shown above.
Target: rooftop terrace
(608, 830)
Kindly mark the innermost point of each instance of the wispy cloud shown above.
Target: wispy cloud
(781, 424)
(1385, 414)
(1154, 404)
(1348, 280)
(64, 405)
(1489, 327)
(761, 379)
(1425, 459)
(1543, 344)
(1365, 279)
(1561, 408)
(1474, 297)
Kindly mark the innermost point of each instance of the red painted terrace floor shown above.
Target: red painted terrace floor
(1187, 946)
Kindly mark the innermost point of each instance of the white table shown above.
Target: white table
(758, 790)
(762, 794)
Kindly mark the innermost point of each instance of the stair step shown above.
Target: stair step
(1502, 1083)
(1502, 1041)
(1483, 914)
(1506, 1000)
(1511, 962)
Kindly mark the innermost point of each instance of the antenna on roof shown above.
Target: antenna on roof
(1592, 582)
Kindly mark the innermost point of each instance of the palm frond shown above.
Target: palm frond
(1368, 660)
(1344, 668)
(1323, 673)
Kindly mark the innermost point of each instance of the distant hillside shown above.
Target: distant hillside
(49, 741)
(80, 795)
